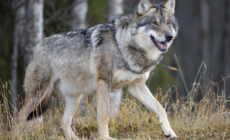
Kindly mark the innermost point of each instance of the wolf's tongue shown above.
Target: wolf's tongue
(163, 44)
(159, 44)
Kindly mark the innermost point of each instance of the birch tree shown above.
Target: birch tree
(18, 7)
(34, 30)
(114, 8)
(79, 14)
(28, 31)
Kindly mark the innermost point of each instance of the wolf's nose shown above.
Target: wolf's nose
(168, 37)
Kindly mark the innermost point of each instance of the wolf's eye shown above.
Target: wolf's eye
(155, 23)
(168, 23)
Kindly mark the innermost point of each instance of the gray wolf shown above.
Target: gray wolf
(100, 60)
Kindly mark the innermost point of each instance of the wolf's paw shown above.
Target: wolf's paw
(169, 133)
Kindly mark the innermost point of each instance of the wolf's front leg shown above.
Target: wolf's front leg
(142, 93)
(103, 109)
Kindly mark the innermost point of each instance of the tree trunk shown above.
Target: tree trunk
(19, 21)
(114, 8)
(226, 48)
(130, 5)
(205, 43)
(79, 14)
(203, 36)
(214, 32)
(34, 30)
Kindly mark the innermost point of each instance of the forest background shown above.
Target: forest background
(203, 42)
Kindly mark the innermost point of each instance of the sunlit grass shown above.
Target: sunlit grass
(207, 119)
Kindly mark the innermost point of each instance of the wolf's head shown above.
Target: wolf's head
(154, 25)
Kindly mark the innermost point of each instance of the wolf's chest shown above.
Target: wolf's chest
(122, 78)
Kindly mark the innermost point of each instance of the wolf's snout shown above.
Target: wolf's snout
(168, 37)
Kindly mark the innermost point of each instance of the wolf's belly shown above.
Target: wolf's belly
(84, 82)
(75, 80)
(77, 86)
(72, 88)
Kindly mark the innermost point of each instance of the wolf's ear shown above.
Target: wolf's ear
(143, 6)
(169, 4)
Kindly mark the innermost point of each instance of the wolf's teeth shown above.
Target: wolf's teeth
(155, 40)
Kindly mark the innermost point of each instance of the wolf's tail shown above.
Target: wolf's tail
(41, 108)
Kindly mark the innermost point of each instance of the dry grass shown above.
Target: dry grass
(208, 119)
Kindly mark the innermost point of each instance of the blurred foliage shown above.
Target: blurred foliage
(161, 76)
(96, 12)
(6, 34)
(57, 16)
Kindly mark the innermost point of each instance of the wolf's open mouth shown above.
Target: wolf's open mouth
(162, 46)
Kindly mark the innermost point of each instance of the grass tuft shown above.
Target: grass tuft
(207, 119)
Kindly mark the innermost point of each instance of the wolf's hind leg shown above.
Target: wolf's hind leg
(30, 104)
(72, 102)
(38, 90)
(142, 93)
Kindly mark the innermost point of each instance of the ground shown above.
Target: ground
(208, 119)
